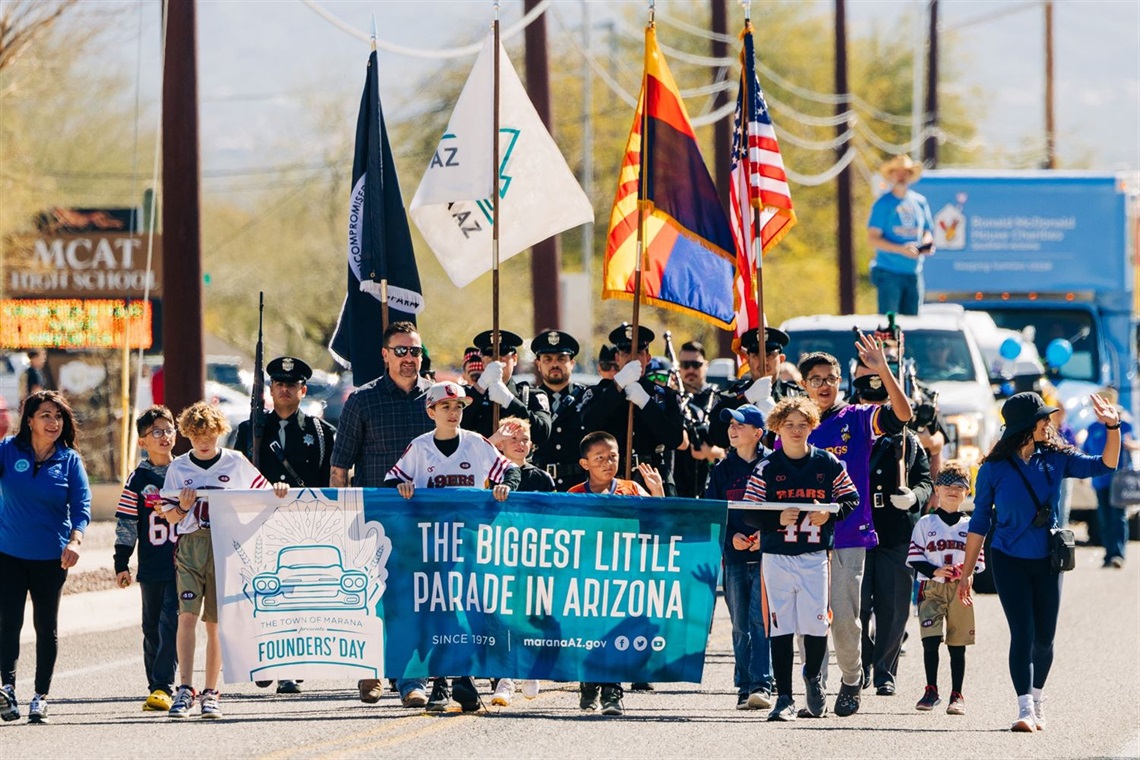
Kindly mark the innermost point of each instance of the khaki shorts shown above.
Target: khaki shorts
(938, 602)
(194, 568)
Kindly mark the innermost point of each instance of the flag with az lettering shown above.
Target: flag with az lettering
(379, 244)
(538, 195)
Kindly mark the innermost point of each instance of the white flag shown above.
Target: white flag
(538, 194)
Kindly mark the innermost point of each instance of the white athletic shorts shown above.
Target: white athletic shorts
(795, 593)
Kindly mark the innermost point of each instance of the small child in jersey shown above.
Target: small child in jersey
(937, 551)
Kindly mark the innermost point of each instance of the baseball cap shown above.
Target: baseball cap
(745, 415)
(445, 390)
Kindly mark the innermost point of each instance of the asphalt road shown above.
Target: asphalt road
(1093, 707)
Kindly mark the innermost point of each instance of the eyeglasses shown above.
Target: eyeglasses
(687, 364)
(402, 351)
(162, 432)
(815, 382)
(607, 366)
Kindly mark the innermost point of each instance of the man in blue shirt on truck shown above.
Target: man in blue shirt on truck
(900, 231)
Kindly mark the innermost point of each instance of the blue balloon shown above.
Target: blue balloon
(1010, 349)
(1058, 352)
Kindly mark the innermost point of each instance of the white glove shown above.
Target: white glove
(759, 394)
(904, 499)
(629, 374)
(500, 394)
(638, 395)
(492, 373)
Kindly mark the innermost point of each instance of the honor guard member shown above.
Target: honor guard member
(753, 389)
(497, 386)
(554, 353)
(295, 448)
(658, 426)
(697, 400)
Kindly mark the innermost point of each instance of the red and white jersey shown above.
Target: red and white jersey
(472, 465)
(940, 544)
(232, 470)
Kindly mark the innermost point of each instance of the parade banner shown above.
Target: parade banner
(361, 583)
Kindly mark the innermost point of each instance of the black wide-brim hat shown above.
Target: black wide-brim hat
(1022, 411)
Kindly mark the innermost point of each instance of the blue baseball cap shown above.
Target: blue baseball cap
(745, 415)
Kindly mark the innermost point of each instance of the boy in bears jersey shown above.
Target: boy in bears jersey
(206, 467)
(795, 545)
(937, 551)
(139, 522)
(450, 457)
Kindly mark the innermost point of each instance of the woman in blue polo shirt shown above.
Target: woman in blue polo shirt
(1029, 453)
(45, 505)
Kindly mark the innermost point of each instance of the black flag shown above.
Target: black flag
(379, 245)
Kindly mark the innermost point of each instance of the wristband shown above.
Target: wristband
(1112, 427)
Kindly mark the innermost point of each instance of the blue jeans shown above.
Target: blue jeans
(405, 685)
(1113, 524)
(749, 640)
(900, 293)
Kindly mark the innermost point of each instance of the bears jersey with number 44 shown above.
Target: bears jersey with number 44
(817, 477)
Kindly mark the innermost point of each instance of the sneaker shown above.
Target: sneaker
(1116, 563)
(158, 701)
(503, 692)
(183, 702)
(866, 678)
(785, 709)
(414, 698)
(263, 684)
(211, 710)
(589, 697)
(641, 686)
(886, 690)
(761, 699)
(957, 704)
(465, 693)
(929, 699)
(9, 707)
(742, 702)
(611, 700)
(370, 690)
(37, 709)
(1026, 722)
(440, 696)
(530, 688)
(847, 702)
(1038, 713)
(288, 687)
(816, 699)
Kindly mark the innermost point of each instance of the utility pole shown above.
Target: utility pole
(184, 372)
(1050, 126)
(722, 139)
(587, 169)
(843, 181)
(916, 115)
(930, 145)
(545, 259)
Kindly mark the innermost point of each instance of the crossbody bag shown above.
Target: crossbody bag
(1062, 543)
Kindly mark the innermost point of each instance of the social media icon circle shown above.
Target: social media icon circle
(640, 643)
(658, 643)
(621, 643)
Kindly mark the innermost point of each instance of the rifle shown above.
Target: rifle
(675, 369)
(257, 395)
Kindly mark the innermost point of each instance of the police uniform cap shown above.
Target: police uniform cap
(622, 337)
(289, 369)
(774, 340)
(508, 341)
(554, 342)
(607, 353)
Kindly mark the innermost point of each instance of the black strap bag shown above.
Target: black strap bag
(1062, 542)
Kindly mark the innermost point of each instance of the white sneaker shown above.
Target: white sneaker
(1039, 713)
(503, 692)
(1026, 723)
(38, 709)
(9, 708)
(530, 688)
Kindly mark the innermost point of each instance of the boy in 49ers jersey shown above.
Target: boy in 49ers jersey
(139, 522)
(794, 548)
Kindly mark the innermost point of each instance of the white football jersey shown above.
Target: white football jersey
(232, 470)
(940, 544)
(472, 465)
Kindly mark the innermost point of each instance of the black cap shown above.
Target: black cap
(622, 337)
(554, 342)
(508, 342)
(1022, 411)
(607, 353)
(774, 340)
(288, 369)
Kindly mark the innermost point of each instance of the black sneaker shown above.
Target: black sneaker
(847, 702)
(263, 684)
(641, 686)
(440, 696)
(288, 687)
(465, 693)
(929, 699)
(886, 690)
(9, 707)
(785, 709)
(816, 699)
(589, 697)
(866, 678)
(742, 702)
(611, 700)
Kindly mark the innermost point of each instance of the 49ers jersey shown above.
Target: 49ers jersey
(941, 544)
(232, 470)
(474, 463)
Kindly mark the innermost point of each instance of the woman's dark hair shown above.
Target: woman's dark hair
(32, 403)
(1006, 448)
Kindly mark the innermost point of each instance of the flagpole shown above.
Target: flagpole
(383, 274)
(642, 160)
(753, 216)
(495, 212)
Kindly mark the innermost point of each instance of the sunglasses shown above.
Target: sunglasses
(607, 366)
(658, 378)
(402, 351)
(687, 364)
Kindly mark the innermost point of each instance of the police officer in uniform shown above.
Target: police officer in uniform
(658, 425)
(295, 448)
(554, 353)
(760, 388)
(497, 386)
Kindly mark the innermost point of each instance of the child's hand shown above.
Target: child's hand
(505, 433)
(945, 572)
(500, 492)
(819, 517)
(789, 516)
(123, 579)
(406, 489)
(280, 490)
(654, 483)
(186, 499)
(741, 542)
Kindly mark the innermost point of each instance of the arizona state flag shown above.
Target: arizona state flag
(690, 254)
(379, 245)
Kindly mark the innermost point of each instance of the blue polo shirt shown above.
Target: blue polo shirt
(1001, 490)
(40, 507)
(902, 221)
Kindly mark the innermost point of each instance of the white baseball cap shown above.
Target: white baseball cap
(445, 390)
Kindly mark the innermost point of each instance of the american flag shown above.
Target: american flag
(758, 181)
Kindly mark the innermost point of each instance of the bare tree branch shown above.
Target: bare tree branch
(23, 21)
